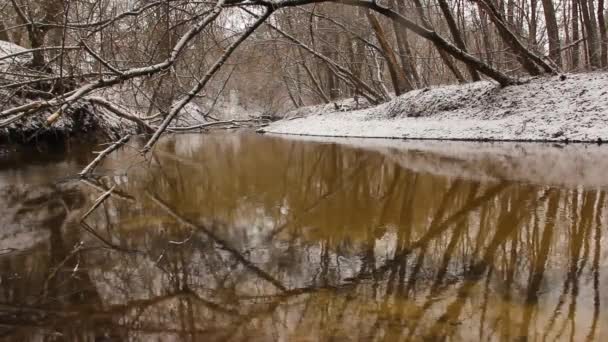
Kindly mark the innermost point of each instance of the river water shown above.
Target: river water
(243, 237)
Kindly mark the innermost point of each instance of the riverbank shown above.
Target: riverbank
(572, 107)
(106, 115)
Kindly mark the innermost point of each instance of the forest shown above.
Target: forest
(148, 62)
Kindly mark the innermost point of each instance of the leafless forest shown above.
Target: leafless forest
(159, 57)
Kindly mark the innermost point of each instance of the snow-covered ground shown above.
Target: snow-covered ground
(7, 49)
(573, 107)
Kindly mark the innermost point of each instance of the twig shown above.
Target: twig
(115, 194)
(108, 244)
(77, 248)
(98, 202)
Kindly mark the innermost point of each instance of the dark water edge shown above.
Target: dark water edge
(237, 236)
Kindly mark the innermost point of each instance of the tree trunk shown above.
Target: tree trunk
(603, 34)
(400, 83)
(576, 52)
(449, 18)
(511, 14)
(337, 71)
(428, 34)
(552, 32)
(591, 33)
(3, 32)
(316, 86)
(447, 60)
(533, 25)
(403, 46)
(439, 42)
(485, 32)
(18, 33)
(36, 36)
(332, 80)
(527, 59)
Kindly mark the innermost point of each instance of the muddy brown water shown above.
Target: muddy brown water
(242, 237)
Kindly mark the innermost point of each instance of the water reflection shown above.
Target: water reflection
(242, 237)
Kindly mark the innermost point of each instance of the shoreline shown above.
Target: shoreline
(471, 140)
(570, 108)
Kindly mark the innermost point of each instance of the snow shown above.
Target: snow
(572, 107)
(7, 48)
(12, 64)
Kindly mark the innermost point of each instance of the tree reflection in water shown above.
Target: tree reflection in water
(243, 237)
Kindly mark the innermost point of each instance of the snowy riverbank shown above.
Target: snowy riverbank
(88, 118)
(570, 108)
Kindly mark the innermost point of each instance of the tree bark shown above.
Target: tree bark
(318, 90)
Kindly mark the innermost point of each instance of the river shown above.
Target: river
(244, 237)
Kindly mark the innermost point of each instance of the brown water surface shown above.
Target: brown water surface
(242, 237)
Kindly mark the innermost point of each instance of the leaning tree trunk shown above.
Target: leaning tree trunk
(529, 61)
(449, 18)
(400, 83)
(428, 34)
(337, 70)
(445, 57)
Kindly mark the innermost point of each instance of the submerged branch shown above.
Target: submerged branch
(89, 168)
(98, 202)
(215, 123)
